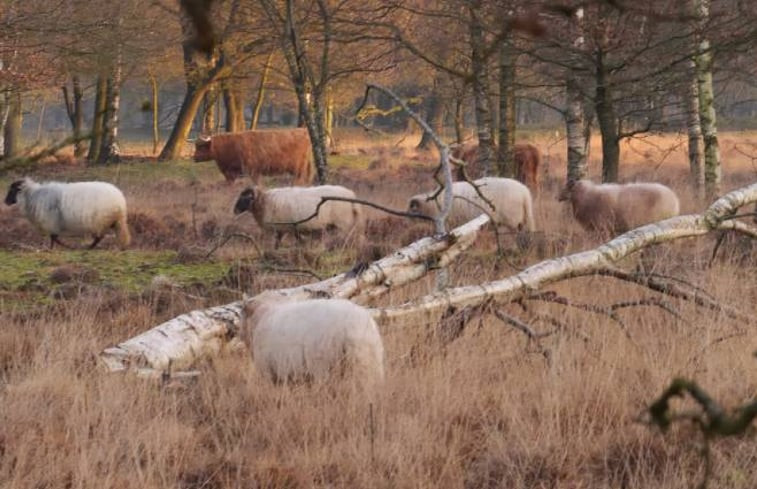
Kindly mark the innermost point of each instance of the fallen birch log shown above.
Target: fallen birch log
(598, 261)
(178, 343)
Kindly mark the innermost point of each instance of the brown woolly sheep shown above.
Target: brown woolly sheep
(256, 153)
(616, 208)
(527, 164)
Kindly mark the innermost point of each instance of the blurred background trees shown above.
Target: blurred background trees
(480, 71)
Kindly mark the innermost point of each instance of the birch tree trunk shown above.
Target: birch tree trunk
(109, 151)
(98, 119)
(155, 112)
(695, 135)
(576, 126)
(591, 262)
(12, 129)
(505, 151)
(183, 340)
(712, 169)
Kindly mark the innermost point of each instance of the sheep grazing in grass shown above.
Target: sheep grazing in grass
(312, 340)
(616, 208)
(72, 209)
(513, 206)
(278, 208)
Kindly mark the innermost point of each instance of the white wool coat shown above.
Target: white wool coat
(621, 207)
(292, 204)
(73, 209)
(511, 199)
(312, 340)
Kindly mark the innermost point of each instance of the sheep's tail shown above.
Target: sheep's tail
(122, 231)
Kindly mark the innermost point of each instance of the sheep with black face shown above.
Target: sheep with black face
(72, 209)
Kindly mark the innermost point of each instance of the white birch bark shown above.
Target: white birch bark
(583, 263)
(178, 343)
(575, 118)
(694, 128)
(712, 169)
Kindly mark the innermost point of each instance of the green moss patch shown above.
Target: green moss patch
(33, 275)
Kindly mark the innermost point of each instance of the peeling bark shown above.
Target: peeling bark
(183, 340)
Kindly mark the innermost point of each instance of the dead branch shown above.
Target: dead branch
(228, 237)
(598, 261)
(354, 201)
(197, 334)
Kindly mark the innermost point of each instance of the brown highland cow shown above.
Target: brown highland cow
(527, 164)
(256, 153)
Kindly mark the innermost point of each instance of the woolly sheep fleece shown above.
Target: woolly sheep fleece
(75, 209)
(617, 208)
(511, 199)
(260, 152)
(292, 204)
(312, 340)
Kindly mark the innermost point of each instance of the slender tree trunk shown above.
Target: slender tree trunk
(577, 127)
(155, 112)
(75, 114)
(4, 112)
(480, 92)
(608, 123)
(575, 123)
(41, 120)
(505, 151)
(261, 92)
(208, 110)
(434, 114)
(197, 80)
(328, 122)
(459, 118)
(695, 136)
(712, 170)
(110, 151)
(98, 120)
(12, 142)
(234, 110)
(192, 100)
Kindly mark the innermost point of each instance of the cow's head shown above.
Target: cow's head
(203, 148)
(245, 201)
(13, 191)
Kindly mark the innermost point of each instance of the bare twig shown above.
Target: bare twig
(354, 201)
(228, 238)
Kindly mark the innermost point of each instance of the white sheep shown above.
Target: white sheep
(312, 340)
(72, 209)
(513, 206)
(617, 208)
(278, 208)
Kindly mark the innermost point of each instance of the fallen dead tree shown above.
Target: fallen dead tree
(181, 341)
(599, 261)
(178, 343)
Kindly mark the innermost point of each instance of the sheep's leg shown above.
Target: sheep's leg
(54, 239)
(94, 243)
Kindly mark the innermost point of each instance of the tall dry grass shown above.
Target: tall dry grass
(488, 410)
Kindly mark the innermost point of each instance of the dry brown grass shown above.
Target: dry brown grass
(486, 411)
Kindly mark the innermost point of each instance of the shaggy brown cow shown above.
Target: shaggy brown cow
(256, 153)
(527, 164)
